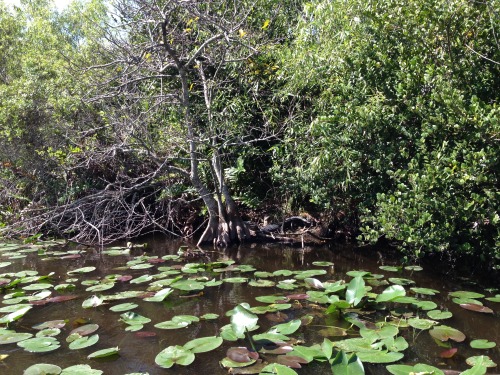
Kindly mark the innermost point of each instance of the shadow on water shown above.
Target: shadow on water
(138, 351)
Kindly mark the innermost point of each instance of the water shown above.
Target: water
(137, 353)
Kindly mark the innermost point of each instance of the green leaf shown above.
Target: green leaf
(80, 370)
(84, 342)
(203, 344)
(277, 369)
(11, 337)
(13, 316)
(379, 356)
(390, 293)
(123, 307)
(242, 320)
(480, 360)
(39, 344)
(104, 353)
(439, 315)
(444, 333)
(355, 291)
(174, 355)
(347, 365)
(482, 344)
(287, 328)
(42, 369)
(417, 369)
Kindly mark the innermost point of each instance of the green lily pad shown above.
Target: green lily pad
(11, 337)
(43, 369)
(169, 324)
(160, 295)
(13, 316)
(82, 270)
(284, 273)
(100, 287)
(426, 291)
(104, 353)
(482, 344)
(124, 307)
(229, 363)
(390, 293)
(439, 315)
(379, 356)
(494, 299)
(390, 268)
(270, 299)
(80, 370)
(421, 323)
(209, 316)
(355, 291)
(287, 328)
(401, 281)
(203, 344)
(132, 318)
(413, 268)
(141, 279)
(48, 332)
(39, 344)
(481, 360)
(417, 369)
(84, 342)
(50, 324)
(235, 280)
(174, 355)
(93, 301)
(188, 285)
(262, 283)
(465, 294)
(277, 369)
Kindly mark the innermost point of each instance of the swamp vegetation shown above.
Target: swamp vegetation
(266, 309)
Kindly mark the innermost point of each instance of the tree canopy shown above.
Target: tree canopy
(381, 118)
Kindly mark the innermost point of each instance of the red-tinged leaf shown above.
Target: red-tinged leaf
(448, 353)
(298, 296)
(277, 317)
(61, 298)
(156, 260)
(124, 278)
(291, 361)
(71, 256)
(145, 334)
(39, 303)
(477, 308)
(241, 354)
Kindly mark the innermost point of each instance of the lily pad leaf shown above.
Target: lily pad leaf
(124, 307)
(444, 333)
(376, 356)
(11, 337)
(276, 368)
(104, 353)
(426, 291)
(482, 344)
(439, 315)
(355, 290)
(477, 308)
(43, 369)
(203, 344)
(82, 270)
(242, 319)
(39, 344)
(465, 294)
(391, 293)
(419, 368)
(287, 328)
(84, 342)
(480, 360)
(174, 355)
(421, 323)
(93, 301)
(132, 318)
(160, 295)
(13, 316)
(343, 364)
(80, 370)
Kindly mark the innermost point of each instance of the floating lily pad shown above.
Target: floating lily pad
(390, 293)
(13, 316)
(85, 330)
(133, 318)
(93, 301)
(235, 280)
(401, 281)
(188, 285)
(174, 355)
(322, 263)
(413, 268)
(390, 268)
(477, 308)
(439, 315)
(425, 291)
(277, 369)
(465, 294)
(229, 363)
(39, 344)
(84, 342)
(80, 370)
(482, 360)
(160, 295)
(444, 333)
(50, 324)
(124, 307)
(169, 324)
(108, 352)
(100, 287)
(482, 344)
(209, 316)
(11, 337)
(82, 270)
(43, 369)
(417, 369)
(379, 356)
(203, 344)
(48, 332)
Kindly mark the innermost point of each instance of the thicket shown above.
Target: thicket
(382, 116)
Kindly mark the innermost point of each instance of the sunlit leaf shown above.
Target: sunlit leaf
(174, 355)
(80, 370)
(444, 333)
(104, 353)
(84, 342)
(124, 307)
(355, 291)
(277, 369)
(203, 344)
(39, 344)
(11, 337)
(482, 344)
(419, 368)
(344, 364)
(42, 369)
(242, 320)
(391, 293)
(439, 315)
(480, 360)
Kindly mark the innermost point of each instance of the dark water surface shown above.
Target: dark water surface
(137, 354)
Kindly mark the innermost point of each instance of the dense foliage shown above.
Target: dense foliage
(382, 116)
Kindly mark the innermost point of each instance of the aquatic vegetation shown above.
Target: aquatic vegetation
(361, 319)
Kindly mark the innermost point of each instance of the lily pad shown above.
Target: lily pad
(439, 315)
(174, 355)
(390, 293)
(84, 342)
(39, 344)
(419, 368)
(444, 333)
(50, 324)
(124, 307)
(482, 360)
(43, 369)
(93, 301)
(482, 344)
(82, 270)
(203, 344)
(11, 337)
(85, 330)
(379, 356)
(104, 353)
(278, 369)
(80, 370)
(465, 294)
(477, 308)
